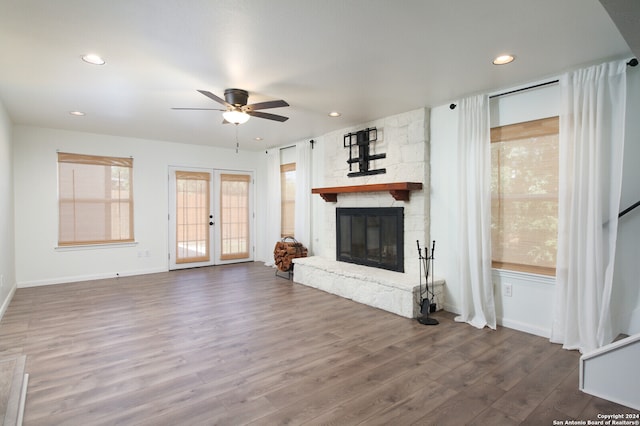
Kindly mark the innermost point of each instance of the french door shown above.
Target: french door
(210, 217)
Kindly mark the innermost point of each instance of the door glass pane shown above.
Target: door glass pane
(192, 217)
(234, 216)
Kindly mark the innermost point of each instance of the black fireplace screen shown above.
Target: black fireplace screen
(371, 237)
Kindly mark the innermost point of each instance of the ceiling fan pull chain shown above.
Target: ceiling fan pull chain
(237, 143)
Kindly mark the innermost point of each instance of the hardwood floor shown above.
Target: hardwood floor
(235, 345)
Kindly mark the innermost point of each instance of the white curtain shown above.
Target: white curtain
(302, 230)
(474, 242)
(273, 210)
(592, 125)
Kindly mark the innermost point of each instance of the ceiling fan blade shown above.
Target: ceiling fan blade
(215, 98)
(200, 109)
(267, 116)
(267, 105)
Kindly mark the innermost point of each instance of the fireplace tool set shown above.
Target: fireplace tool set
(427, 304)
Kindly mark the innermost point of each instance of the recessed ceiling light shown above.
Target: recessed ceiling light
(258, 138)
(334, 114)
(503, 59)
(77, 113)
(93, 59)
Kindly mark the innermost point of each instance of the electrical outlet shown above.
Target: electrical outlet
(507, 290)
(1, 280)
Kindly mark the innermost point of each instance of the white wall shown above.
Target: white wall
(530, 306)
(319, 165)
(7, 259)
(444, 200)
(37, 261)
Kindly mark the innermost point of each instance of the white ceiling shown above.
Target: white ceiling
(365, 58)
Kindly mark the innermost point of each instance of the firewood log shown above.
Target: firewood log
(285, 251)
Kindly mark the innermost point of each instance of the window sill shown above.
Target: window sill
(95, 246)
(526, 276)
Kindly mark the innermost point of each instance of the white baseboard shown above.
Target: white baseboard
(514, 325)
(7, 301)
(77, 278)
(451, 308)
(527, 328)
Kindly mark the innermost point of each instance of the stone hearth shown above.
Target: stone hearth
(391, 291)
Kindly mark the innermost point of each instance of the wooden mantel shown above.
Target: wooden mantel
(398, 190)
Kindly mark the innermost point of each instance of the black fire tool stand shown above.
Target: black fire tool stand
(427, 304)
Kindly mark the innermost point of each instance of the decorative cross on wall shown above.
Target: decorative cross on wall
(362, 140)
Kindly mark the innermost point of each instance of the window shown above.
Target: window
(234, 216)
(95, 199)
(524, 196)
(288, 199)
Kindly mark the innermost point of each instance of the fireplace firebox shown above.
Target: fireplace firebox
(371, 236)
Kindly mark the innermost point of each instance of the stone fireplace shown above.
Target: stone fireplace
(342, 261)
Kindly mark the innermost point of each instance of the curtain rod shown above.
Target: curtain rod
(294, 145)
(535, 86)
(312, 142)
(632, 63)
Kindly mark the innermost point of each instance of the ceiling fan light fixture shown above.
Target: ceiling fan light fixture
(236, 117)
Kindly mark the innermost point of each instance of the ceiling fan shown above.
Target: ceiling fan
(237, 111)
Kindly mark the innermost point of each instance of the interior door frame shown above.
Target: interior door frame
(214, 207)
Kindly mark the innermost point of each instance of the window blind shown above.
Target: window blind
(95, 199)
(524, 196)
(287, 199)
